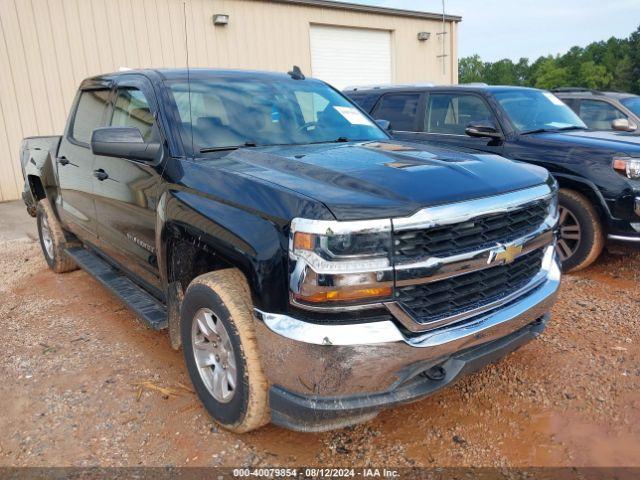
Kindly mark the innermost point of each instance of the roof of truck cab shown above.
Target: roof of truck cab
(184, 73)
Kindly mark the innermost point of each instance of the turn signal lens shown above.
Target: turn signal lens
(303, 241)
(346, 295)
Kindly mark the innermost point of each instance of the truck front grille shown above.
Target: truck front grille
(445, 298)
(481, 232)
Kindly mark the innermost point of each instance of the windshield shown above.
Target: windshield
(531, 110)
(633, 104)
(227, 112)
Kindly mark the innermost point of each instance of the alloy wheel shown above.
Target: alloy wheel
(569, 237)
(47, 239)
(214, 355)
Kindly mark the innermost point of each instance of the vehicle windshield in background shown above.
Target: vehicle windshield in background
(632, 103)
(535, 110)
(228, 113)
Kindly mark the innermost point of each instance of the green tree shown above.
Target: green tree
(550, 75)
(594, 76)
(622, 80)
(470, 69)
(634, 61)
(571, 61)
(522, 71)
(611, 64)
(502, 72)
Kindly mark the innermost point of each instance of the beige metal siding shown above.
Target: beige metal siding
(48, 46)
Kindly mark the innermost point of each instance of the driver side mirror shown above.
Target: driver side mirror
(123, 142)
(623, 125)
(384, 124)
(484, 129)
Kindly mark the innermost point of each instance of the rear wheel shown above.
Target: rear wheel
(581, 238)
(52, 239)
(221, 351)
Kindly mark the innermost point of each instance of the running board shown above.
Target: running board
(147, 307)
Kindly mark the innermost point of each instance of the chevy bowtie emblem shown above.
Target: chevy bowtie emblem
(506, 254)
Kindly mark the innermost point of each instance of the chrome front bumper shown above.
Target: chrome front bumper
(368, 358)
(624, 238)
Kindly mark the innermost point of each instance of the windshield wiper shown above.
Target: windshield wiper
(538, 130)
(337, 140)
(572, 127)
(228, 148)
(551, 130)
(254, 144)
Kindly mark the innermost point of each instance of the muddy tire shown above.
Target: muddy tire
(52, 239)
(221, 350)
(581, 238)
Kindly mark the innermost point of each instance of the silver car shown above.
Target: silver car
(603, 110)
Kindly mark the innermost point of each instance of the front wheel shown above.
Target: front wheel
(52, 239)
(581, 238)
(221, 351)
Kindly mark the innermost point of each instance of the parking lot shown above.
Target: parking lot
(84, 383)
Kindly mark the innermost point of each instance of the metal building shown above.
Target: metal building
(48, 46)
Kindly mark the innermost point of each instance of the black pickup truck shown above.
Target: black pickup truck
(313, 270)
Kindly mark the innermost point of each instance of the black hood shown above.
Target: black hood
(382, 179)
(596, 140)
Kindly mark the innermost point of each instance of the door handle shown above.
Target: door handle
(63, 161)
(100, 174)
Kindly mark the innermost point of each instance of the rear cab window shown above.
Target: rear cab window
(311, 105)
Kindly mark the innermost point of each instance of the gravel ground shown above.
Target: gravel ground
(84, 384)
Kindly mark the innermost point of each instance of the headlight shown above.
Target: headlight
(627, 166)
(340, 264)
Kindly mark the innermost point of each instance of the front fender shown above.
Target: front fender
(255, 245)
(586, 187)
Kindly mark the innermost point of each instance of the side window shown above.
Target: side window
(572, 103)
(89, 114)
(400, 109)
(598, 115)
(132, 109)
(366, 102)
(451, 113)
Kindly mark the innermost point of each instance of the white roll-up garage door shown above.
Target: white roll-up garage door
(350, 56)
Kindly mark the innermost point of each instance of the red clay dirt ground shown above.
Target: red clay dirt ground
(84, 383)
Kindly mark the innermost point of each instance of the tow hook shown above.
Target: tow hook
(436, 373)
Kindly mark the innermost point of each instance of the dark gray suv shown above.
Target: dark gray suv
(603, 110)
(598, 172)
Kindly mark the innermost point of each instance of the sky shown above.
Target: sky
(497, 29)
